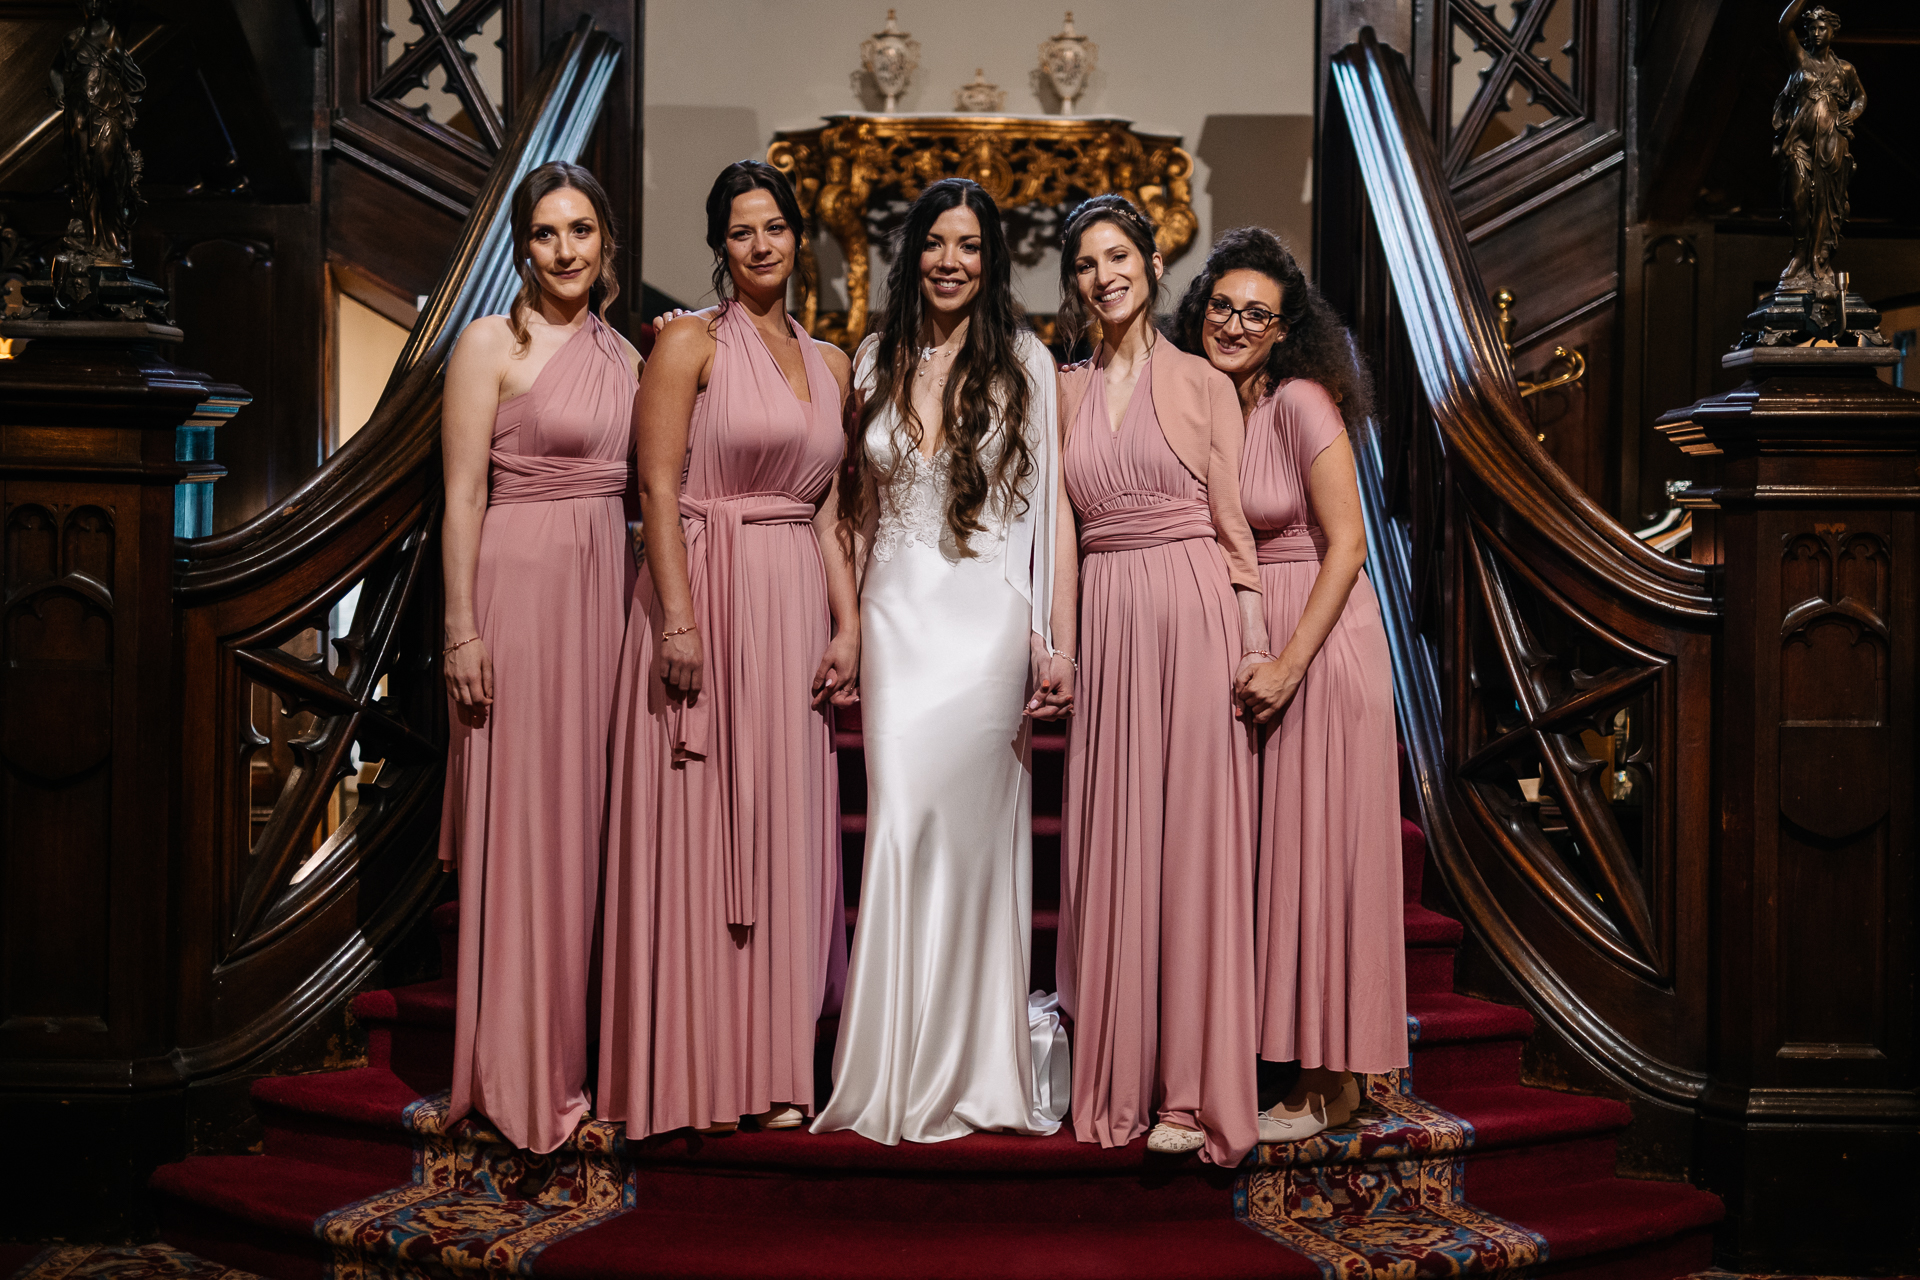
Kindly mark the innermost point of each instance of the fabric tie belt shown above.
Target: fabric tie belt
(1294, 544)
(1151, 525)
(714, 526)
(536, 479)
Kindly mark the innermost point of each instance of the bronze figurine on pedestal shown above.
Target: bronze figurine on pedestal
(1813, 134)
(96, 85)
(1813, 122)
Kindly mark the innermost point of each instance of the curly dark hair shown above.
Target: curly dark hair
(988, 376)
(1315, 346)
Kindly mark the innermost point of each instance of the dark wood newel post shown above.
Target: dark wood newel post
(1810, 1111)
(91, 422)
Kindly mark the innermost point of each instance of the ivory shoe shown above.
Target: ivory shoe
(1315, 1116)
(1172, 1140)
(780, 1118)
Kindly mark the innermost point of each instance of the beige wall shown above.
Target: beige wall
(1233, 77)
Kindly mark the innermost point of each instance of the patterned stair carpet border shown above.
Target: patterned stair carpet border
(476, 1202)
(123, 1262)
(1383, 1196)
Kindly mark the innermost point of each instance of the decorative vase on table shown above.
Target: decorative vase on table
(978, 95)
(1066, 61)
(889, 55)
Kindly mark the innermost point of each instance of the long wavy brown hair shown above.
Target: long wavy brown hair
(558, 175)
(1316, 345)
(988, 377)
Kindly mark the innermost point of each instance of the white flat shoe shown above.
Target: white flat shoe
(1318, 1115)
(780, 1118)
(1172, 1140)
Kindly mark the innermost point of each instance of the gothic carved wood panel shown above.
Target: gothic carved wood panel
(57, 631)
(1835, 790)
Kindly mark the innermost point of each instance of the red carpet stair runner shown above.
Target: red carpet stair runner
(1475, 1174)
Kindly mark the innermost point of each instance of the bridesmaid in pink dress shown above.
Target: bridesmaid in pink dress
(1328, 917)
(1156, 922)
(536, 432)
(724, 927)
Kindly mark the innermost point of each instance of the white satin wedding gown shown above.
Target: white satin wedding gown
(939, 1035)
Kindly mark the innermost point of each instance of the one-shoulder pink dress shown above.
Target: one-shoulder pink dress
(724, 923)
(1331, 961)
(524, 815)
(1156, 929)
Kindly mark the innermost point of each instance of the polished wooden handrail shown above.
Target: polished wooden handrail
(1494, 517)
(1464, 369)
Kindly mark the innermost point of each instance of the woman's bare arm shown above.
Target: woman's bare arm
(1334, 496)
(838, 676)
(470, 404)
(662, 409)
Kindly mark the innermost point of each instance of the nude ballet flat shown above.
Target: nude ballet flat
(1172, 1140)
(780, 1118)
(1318, 1115)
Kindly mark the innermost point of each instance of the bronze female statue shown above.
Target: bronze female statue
(96, 84)
(1813, 133)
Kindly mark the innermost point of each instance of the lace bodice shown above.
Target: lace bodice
(913, 500)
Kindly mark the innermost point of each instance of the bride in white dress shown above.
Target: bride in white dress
(939, 1035)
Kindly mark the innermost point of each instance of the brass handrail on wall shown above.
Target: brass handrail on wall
(318, 620)
(1551, 669)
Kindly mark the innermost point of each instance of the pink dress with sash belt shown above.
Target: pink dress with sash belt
(724, 930)
(1156, 923)
(1331, 961)
(524, 816)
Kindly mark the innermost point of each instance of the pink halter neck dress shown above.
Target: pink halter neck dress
(725, 931)
(524, 817)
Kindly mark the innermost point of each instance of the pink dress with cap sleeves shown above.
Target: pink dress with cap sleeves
(1156, 925)
(724, 927)
(524, 815)
(1331, 964)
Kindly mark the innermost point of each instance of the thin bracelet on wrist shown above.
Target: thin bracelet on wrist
(448, 651)
(678, 631)
(1071, 660)
(1260, 653)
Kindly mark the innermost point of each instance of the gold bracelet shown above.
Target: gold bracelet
(448, 651)
(677, 631)
(1261, 653)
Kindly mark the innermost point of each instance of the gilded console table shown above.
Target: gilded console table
(846, 166)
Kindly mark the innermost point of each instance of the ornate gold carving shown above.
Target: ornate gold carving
(853, 163)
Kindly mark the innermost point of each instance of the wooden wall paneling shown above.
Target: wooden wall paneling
(248, 290)
(386, 229)
(378, 134)
(1560, 258)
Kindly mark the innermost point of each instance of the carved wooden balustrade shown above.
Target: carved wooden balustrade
(1553, 673)
(310, 634)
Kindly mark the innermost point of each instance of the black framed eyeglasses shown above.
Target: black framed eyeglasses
(1255, 320)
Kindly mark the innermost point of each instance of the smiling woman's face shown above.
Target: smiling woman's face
(760, 243)
(950, 261)
(1112, 274)
(564, 243)
(1242, 302)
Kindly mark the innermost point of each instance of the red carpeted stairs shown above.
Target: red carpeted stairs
(1477, 1174)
